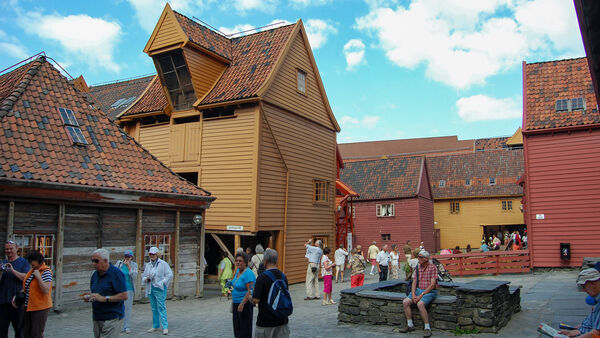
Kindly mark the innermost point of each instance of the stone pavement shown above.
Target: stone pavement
(550, 297)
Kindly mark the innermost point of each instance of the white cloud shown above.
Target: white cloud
(354, 51)
(236, 29)
(148, 12)
(463, 42)
(367, 121)
(318, 32)
(90, 39)
(12, 46)
(261, 5)
(484, 108)
(307, 3)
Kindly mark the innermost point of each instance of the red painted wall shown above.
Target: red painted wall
(563, 183)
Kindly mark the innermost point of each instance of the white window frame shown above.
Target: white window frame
(384, 210)
(37, 241)
(442, 183)
(160, 241)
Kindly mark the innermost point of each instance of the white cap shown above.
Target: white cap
(588, 275)
(153, 250)
(424, 253)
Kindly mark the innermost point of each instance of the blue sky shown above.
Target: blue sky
(391, 68)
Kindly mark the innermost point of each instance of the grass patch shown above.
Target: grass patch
(459, 332)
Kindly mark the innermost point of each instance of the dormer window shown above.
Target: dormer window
(442, 183)
(468, 182)
(175, 76)
(301, 81)
(492, 181)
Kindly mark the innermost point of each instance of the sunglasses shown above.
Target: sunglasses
(10, 242)
(95, 261)
(422, 257)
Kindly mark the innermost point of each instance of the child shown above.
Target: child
(327, 273)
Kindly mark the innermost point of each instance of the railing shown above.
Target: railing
(491, 262)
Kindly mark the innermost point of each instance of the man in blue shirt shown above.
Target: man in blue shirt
(109, 290)
(313, 254)
(10, 285)
(589, 280)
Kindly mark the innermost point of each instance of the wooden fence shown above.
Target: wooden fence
(491, 262)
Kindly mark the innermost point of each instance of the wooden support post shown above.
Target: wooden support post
(176, 257)
(10, 223)
(99, 239)
(237, 243)
(139, 254)
(60, 240)
(223, 247)
(201, 267)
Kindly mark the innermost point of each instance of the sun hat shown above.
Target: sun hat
(588, 275)
(153, 250)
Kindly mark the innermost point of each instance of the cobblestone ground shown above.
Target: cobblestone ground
(546, 297)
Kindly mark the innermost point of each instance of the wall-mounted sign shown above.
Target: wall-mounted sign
(539, 216)
(235, 227)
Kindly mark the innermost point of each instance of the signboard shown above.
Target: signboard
(235, 228)
(539, 216)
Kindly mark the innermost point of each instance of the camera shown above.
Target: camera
(19, 299)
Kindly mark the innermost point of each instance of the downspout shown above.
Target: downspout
(285, 211)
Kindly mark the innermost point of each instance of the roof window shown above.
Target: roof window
(72, 126)
(562, 105)
(468, 181)
(442, 183)
(123, 102)
(492, 181)
(578, 103)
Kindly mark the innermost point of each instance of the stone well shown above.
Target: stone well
(483, 304)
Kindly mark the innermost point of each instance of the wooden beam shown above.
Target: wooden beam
(223, 247)
(60, 240)
(10, 223)
(201, 267)
(176, 257)
(99, 238)
(139, 254)
(237, 243)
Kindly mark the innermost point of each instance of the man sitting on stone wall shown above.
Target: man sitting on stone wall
(423, 292)
(589, 280)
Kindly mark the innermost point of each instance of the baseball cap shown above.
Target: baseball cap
(153, 250)
(588, 275)
(128, 253)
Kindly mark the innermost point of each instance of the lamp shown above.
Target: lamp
(197, 219)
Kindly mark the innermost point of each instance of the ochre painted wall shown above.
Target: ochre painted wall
(465, 227)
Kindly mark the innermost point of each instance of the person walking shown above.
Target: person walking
(241, 297)
(407, 250)
(358, 264)
(156, 277)
(383, 261)
(313, 254)
(10, 285)
(224, 273)
(340, 262)
(109, 290)
(372, 252)
(327, 273)
(130, 271)
(257, 260)
(269, 325)
(395, 262)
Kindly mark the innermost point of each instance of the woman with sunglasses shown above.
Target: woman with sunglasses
(242, 307)
(156, 278)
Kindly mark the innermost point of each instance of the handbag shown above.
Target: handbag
(410, 283)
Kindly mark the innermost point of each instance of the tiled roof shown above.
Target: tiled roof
(36, 147)
(113, 98)
(384, 179)
(547, 82)
(9, 82)
(205, 37)
(152, 100)
(425, 145)
(482, 144)
(505, 166)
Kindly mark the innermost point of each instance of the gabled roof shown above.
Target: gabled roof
(153, 99)
(384, 178)
(36, 148)
(205, 37)
(113, 98)
(482, 144)
(505, 166)
(546, 82)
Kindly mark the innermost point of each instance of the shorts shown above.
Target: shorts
(327, 284)
(428, 298)
(357, 280)
(339, 268)
(373, 261)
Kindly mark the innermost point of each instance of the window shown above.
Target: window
(442, 183)
(321, 192)
(562, 105)
(162, 242)
(189, 119)
(492, 181)
(301, 81)
(156, 119)
(578, 103)
(386, 237)
(123, 102)
(454, 207)
(384, 210)
(353, 212)
(72, 126)
(468, 181)
(507, 205)
(43, 243)
(176, 78)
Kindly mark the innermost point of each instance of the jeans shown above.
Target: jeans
(159, 308)
(384, 272)
(8, 315)
(128, 306)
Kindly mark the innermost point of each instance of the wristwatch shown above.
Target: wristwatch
(107, 299)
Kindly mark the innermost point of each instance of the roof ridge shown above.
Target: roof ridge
(561, 60)
(388, 159)
(21, 85)
(121, 81)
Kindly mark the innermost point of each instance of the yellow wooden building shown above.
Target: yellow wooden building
(246, 118)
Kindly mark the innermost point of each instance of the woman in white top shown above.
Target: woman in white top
(394, 256)
(156, 278)
(257, 259)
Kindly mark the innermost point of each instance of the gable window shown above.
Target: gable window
(578, 103)
(384, 210)
(454, 207)
(72, 126)
(562, 105)
(507, 205)
(162, 242)
(301, 81)
(321, 192)
(176, 78)
(468, 181)
(442, 183)
(492, 181)
(386, 237)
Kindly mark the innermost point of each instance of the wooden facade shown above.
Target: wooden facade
(251, 137)
(562, 147)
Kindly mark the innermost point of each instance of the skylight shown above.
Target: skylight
(72, 126)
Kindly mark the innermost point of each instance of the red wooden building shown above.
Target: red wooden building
(395, 203)
(561, 129)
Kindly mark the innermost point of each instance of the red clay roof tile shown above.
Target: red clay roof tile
(152, 100)
(113, 98)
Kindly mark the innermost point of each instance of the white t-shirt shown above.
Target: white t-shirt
(340, 256)
(383, 258)
(394, 257)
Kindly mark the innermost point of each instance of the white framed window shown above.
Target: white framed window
(163, 242)
(301, 83)
(384, 210)
(492, 181)
(43, 243)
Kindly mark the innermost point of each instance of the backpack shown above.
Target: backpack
(279, 301)
(261, 267)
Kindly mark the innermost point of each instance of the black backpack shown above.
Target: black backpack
(261, 267)
(279, 301)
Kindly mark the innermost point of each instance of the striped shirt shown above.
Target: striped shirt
(46, 277)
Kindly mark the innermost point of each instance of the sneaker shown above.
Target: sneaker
(128, 330)
(165, 331)
(324, 302)
(426, 333)
(332, 302)
(407, 329)
(152, 330)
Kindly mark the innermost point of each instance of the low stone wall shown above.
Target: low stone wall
(482, 304)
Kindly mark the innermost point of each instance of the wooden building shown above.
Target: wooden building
(71, 181)
(476, 194)
(561, 129)
(395, 203)
(248, 119)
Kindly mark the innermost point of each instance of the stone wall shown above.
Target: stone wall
(481, 304)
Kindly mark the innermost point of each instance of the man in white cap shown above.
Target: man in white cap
(589, 280)
(156, 277)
